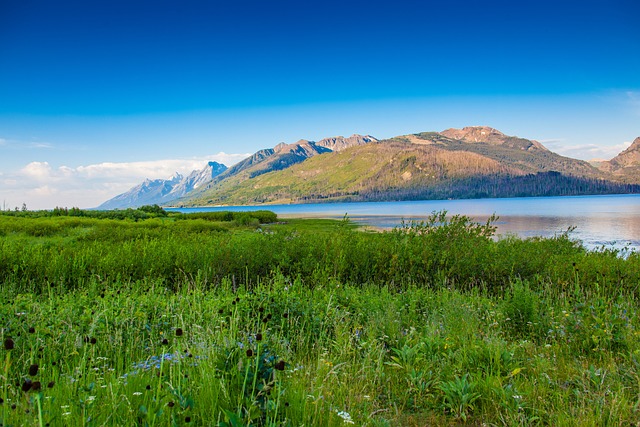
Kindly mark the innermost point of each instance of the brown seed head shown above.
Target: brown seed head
(33, 370)
(9, 344)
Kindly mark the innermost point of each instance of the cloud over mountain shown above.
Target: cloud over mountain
(87, 186)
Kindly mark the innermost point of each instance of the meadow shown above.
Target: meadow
(143, 318)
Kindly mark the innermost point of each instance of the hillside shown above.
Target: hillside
(281, 157)
(626, 165)
(455, 163)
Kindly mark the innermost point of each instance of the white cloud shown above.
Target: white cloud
(42, 186)
(586, 151)
(16, 144)
(43, 191)
(39, 171)
(41, 145)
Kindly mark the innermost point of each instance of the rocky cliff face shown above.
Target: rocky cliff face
(285, 155)
(339, 143)
(197, 178)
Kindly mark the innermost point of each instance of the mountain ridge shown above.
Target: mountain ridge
(445, 164)
(161, 191)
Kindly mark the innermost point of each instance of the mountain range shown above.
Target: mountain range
(163, 191)
(473, 162)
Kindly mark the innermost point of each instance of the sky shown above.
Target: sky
(96, 96)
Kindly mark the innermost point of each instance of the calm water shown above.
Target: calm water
(610, 221)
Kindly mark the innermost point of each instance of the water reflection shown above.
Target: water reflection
(612, 221)
(619, 232)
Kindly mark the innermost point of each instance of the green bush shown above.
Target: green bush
(521, 308)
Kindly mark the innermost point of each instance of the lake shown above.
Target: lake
(612, 221)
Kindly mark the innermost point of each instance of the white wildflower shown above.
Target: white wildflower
(345, 417)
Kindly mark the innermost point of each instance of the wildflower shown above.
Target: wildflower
(249, 352)
(36, 386)
(26, 385)
(32, 330)
(346, 417)
(137, 393)
(280, 365)
(165, 341)
(93, 340)
(179, 332)
(258, 336)
(171, 404)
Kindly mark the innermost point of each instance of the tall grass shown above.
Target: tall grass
(165, 322)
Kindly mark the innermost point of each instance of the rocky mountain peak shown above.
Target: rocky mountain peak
(177, 176)
(338, 143)
(161, 191)
(629, 157)
(635, 146)
(489, 135)
(475, 134)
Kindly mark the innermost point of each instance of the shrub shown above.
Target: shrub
(521, 308)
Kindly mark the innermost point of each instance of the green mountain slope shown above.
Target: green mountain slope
(451, 164)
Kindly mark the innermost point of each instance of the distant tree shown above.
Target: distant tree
(153, 209)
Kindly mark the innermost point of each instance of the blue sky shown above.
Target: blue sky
(97, 95)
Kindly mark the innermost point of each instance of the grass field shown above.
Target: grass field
(148, 319)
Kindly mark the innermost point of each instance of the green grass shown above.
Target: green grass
(164, 322)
